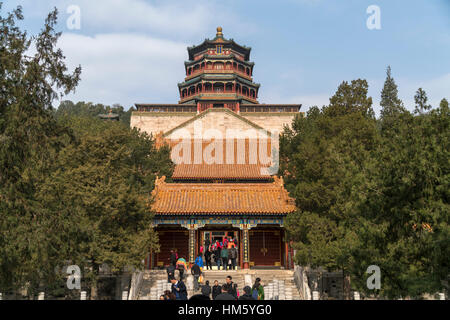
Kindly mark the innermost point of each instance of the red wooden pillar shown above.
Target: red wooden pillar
(238, 107)
(245, 248)
(197, 244)
(286, 250)
(150, 260)
(241, 251)
(146, 263)
(192, 245)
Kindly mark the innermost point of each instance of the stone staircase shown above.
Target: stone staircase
(278, 284)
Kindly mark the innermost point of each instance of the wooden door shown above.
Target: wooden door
(265, 247)
(173, 239)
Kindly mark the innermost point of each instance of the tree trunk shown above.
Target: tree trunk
(347, 288)
(94, 281)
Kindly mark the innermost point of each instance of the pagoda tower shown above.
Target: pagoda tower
(219, 75)
(230, 193)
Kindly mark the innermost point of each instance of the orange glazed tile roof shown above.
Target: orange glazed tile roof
(220, 171)
(221, 198)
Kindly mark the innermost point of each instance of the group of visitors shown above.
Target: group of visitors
(224, 254)
(227, 291)
(176, 263)
(230, 291)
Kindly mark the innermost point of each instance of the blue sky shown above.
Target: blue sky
(133, 50)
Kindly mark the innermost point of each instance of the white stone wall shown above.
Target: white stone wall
(218, 120)
(270, 122)
(156, 123)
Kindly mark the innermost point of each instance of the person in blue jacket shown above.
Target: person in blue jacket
(179, 289)
(199, 261)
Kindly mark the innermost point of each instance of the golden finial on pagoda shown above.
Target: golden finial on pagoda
(219, 32)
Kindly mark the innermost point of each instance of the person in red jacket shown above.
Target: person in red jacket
(225, 242)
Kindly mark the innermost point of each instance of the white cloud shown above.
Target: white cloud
(125, 68)
(175, 19)
(133, 50)
(166, 17)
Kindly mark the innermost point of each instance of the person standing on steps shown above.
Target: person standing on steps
(233, 256)
(179, 289)
(247, 294)
(216, 290)
(258, 290)
(206, 289)
(217, 257)
(196, 272)
(225, 242)
(173, 257)
(181, 267)
(208, 255)
(230, 286)
(199, 261)
(225, 295)
(224, 256)
(170, 272)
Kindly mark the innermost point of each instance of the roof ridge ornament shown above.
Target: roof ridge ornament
(160, 181)
(219, 32)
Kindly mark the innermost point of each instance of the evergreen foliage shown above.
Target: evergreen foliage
(73, 188)
(368, 196)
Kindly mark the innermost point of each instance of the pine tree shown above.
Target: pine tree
(391, 105)
(72, 190)
(421, 101)
(366, 198)
(30, 142)
(349, 98)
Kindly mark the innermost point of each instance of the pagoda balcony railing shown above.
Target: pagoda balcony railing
(244, 108)
(270, 108)
(167, 108)
(218, 71)
(217, 94)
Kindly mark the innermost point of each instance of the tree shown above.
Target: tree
(73, 189)
(89, 109)
(322, 158)
(369, 198)
(30, 142)
(391, 105)
(409, 200)
(104, 186)
(350, 98)
(421, 101)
